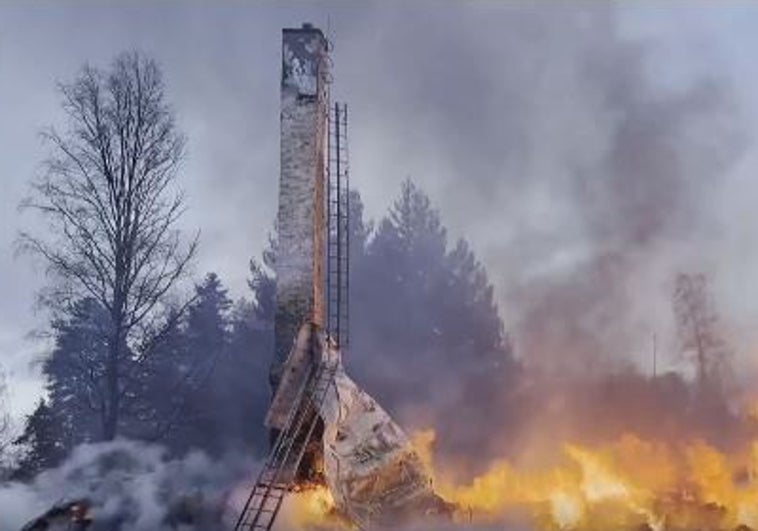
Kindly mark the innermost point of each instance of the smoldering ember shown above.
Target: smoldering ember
(549, 328)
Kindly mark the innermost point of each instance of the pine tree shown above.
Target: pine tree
(186, 415)
(216, 368)
(75, 371)
(425, 313)
(208, 318)
(43, 439)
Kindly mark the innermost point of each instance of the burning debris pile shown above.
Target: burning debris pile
(631, 484)
(72, 516)
(372, 470)
(628, 484)
(374, 475)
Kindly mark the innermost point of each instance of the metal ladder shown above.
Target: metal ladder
(278, 474)
(337, 230)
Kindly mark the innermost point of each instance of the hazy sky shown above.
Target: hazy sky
(587, 152)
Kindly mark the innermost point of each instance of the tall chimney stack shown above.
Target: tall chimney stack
(300, 219)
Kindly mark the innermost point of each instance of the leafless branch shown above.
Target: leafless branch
(108, 192)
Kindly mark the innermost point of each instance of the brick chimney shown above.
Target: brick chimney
(301, 223)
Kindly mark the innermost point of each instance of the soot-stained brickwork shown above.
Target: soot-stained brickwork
(299, 259)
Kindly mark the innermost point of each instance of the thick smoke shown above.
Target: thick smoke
(132, 486)
(642, 205)
(588, 171)
(560, 146)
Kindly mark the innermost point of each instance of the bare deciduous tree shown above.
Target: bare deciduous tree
(698, 329)
(108, 193)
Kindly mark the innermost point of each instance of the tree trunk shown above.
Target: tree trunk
(110, 422)
(112, 376)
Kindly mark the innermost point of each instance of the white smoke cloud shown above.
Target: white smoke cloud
(131, 486)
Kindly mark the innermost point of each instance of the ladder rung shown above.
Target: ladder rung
(266, 497)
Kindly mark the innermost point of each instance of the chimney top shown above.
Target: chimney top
(305, 27)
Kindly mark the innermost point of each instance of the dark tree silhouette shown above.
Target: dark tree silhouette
(75, 371)
(425, 330)
(108, 195)
(207, 388)
(698, 329)
(43, 440)
(187, 417)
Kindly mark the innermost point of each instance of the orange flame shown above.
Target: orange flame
(630, 484)
(311, 508)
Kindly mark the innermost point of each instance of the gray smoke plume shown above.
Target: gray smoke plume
(587, 169)
(583, 165)
(132, 486)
